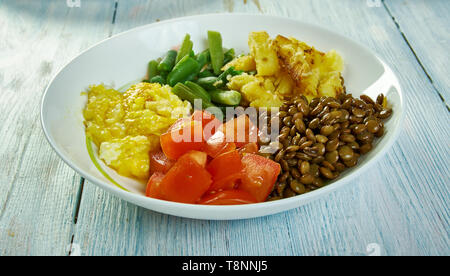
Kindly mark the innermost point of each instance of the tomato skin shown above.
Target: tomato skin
(186, 181)
(198, 156)
(154, 185)
(159, 162)
(249, 148)
(259, 174)
(183, 136)
(228, 197)
(225, 170)
(210, 123)
(240, 130)
(216, 145)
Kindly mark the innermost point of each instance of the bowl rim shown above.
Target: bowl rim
(288, 203)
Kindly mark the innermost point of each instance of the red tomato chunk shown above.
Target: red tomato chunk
(259, 175)
(187, 180)
(225, 169)
(229, 197)
(184, 136)
(160, 163)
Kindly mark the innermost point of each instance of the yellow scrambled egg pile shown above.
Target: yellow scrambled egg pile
(126, 126)
(285, 67)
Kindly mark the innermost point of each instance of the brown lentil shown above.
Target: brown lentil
(319, 140)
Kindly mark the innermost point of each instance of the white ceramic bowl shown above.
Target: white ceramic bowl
(123, 58)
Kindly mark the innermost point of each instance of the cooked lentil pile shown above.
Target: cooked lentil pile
(320, 139)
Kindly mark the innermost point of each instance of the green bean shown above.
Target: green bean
(164, 75)
(228, 97)
(216, 51)
(185, 48)
(158, 79)
(185, 93)
(205, 73)
(152, 69)
(203, 58)
(228, 56)
(207, 82)
(167, 63)
(198, 90)
(185, 69)
(222, 79)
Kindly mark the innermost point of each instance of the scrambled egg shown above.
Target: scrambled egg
(286, 67)
(244, 63)
(126, 127)
(256, 90)
(315, 73)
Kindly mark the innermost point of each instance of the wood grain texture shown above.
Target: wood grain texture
(426, 26)
(38, 192)
(400, 204)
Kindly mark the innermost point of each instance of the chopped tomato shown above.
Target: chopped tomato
(217, 145)
(249, 148)
(228, 197)
(225, 170)
(186, 181)
(240, 130)
(183, 136)
(210, 124)
(180, 123)
(159, 162)
(259, 175)
(198, 156)
(154, 185)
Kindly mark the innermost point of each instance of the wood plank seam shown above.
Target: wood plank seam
(414, 53)
(82, 179)
(111, 29)
(78, 201)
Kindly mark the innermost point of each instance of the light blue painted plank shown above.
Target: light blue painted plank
(426, 26)
(141, 12)
(38, 192)
(400, 204)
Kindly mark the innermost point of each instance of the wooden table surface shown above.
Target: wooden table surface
(399, 207)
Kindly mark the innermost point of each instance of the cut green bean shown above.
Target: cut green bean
(186, 69)
(167, 63)
(198, 90)
(207, 83)
(216, 51)
(205, 73)
(203, 58)
(222, 79)
(228, 97)
(158, 79)
(228, 56)
(152, 69)
(185, 48)
(185, 93)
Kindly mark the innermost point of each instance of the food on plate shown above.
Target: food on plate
(285, 68)
(126, 126)
(174, 130)
(320, 139)
(201, 169)
(315, 73)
